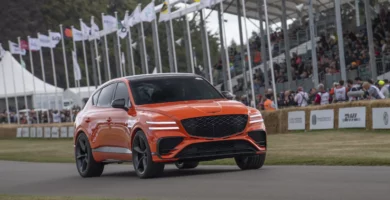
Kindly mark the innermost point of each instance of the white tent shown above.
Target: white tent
(78, 95)
(41, 98)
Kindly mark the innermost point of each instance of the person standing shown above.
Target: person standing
(269, 104)
(301, 98)
(322, 97)
(373, 91)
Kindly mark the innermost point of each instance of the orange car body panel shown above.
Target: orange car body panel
(115, 127)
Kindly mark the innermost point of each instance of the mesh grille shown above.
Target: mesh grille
(215, 126)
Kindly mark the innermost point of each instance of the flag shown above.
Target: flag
(109, 23)
(209, 3)
(68, 32)
(33, 44)
(2, 51)
(135, 17)
(148, 14)
(94, 29)
(85, 30)
(77, 35)
(15, 49)
(76, 67)
(55, 38)
(23, 64)
(164, 14)
(23, 44)
(123, 58)
(179, 41)
(122, 30)
(45, 41)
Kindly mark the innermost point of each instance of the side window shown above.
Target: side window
(122, 93)
(95, 97)
(105, 96)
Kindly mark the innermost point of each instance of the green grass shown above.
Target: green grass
(335, 147)
(23, 197)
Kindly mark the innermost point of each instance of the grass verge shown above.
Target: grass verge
(336, 147)
(27, 197)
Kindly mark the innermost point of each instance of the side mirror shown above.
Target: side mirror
(119, 103)
(228, 95)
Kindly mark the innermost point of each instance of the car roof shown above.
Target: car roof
(160, 75)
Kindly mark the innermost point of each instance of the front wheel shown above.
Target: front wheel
(250, 162)
(186, 165)
(86, 164)
(142, 158)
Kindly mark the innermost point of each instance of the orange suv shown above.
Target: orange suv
(156, 119)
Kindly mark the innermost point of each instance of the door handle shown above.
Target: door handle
(109, 119)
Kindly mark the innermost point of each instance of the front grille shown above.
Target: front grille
(215, 126)
(215, 149)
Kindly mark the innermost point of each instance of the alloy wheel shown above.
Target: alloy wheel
(82, 155)
(140, 155)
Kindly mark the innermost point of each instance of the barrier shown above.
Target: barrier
(60, 130)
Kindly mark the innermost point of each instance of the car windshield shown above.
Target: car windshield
(172, 89)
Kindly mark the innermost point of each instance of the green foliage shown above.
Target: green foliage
(28, 17)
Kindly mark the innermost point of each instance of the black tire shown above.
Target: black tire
(142, 158)
(186, 165)
(250, 162)
(85, 163)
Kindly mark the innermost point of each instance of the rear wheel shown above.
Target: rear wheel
(142, 158)
(186, 165)
(86, 164)
(250, 162)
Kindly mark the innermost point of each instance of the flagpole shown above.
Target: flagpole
(105, 44)
(96, 52)
(75, 51)
(64, 54)
(172, 39)
(54, 71)
(144, 46)
(206, 37)
(5, 93)
(13, 79)
(119, 46)
(271, 65)
(131, 48)
(85, 58)
(189, 43)
(44, 82)
(24, 86)
(32, 71)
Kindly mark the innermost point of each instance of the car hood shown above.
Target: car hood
(190, 109)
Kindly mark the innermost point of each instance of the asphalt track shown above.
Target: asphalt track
(203, 183)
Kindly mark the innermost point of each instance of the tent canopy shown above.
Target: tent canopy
(19, 74)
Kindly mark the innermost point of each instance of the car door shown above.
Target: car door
(120, 134)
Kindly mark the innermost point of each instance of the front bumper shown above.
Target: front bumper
(178, 148)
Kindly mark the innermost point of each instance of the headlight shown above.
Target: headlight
(255, 118)
(162, 125)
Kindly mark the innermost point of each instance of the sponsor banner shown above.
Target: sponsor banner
(22, 132)
(70, 131)
(296, 120)
(55, 132)
(354, 117)
(39, 132)
(25, 132)
(64, 132)
(321, 119)
(19, 132)
(33, 132)
(47, 132)
(380, 118)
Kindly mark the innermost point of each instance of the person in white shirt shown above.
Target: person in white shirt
(384, 88)
(373, 91)
(301, 98)
(340, 92)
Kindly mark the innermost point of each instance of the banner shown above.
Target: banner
(15, 49)
(380, 118)
(33, 44)
(55, 38)
(354, 117)
(45, 41)
(77, 35)
(296, 120)
(321, 119)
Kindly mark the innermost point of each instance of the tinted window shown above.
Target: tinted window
(95, 97)
(172, 89)
(105, 96)
(121, 92)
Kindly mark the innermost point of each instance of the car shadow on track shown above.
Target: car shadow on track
(173, 173)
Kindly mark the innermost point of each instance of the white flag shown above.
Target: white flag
(122, 32)
(33, 44)
(55, 38)
(77, 35)
(15, 49)
(123, 58)
(148, 14)
(164, 13)
(85, 30)
(2, 51)
(135, 17)
(209, 3)
(109, 23)
(94, 30)
(45, 41)
(76, 67)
